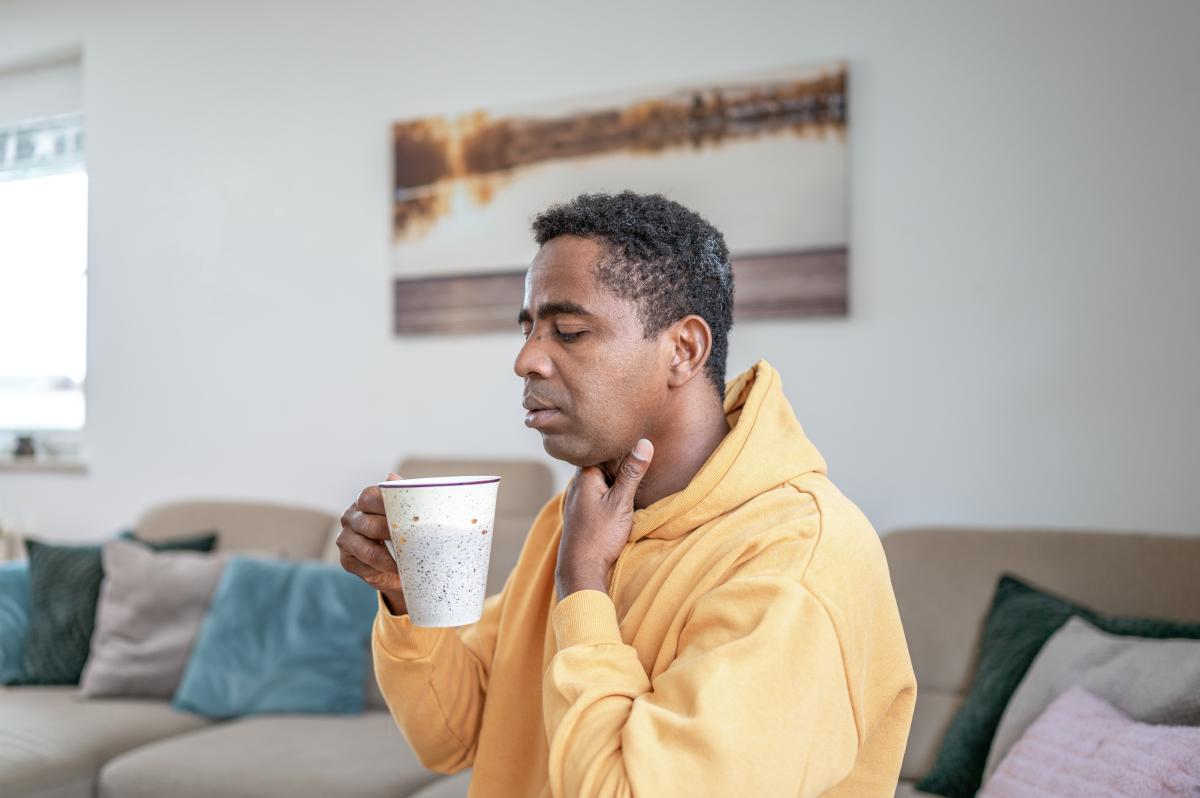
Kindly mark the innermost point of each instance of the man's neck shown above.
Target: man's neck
(679, 452)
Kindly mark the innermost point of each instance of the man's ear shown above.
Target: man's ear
(691, 343)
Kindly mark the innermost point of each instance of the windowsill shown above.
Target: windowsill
(61, 464)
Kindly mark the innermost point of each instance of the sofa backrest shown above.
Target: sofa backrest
(294, 532)
(525, 487)
(304, 533)
(944, 579)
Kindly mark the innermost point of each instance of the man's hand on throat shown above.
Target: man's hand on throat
(597, 520)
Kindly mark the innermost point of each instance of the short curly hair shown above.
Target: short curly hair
(666, 258)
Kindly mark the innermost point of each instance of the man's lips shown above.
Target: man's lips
(537, 413)
(537, 419)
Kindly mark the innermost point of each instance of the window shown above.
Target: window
(43, 274)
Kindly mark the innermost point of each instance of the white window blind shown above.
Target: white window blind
(45, 146)
(43, 249)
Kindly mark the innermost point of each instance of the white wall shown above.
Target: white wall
(1022, 342)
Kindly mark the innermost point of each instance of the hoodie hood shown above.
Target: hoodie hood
(765, 447)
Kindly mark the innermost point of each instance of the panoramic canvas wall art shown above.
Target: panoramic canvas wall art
(762, 156)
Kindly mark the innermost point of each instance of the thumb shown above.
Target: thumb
(393, 475)
(630, 474)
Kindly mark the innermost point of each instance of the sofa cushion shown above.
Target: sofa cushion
(908, 789)
(64, 587)
(52, 742)
(1084, 746)
(373, 695)
(1151, 681)
(14, 618)
(455, 786)
(1022, 618)
(944, 579)
(281, 637)
(932, 716)
(150, 610)
(295, 532)
(274, 755)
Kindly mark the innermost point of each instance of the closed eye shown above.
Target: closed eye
(565, 337)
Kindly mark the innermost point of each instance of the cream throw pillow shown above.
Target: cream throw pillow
(150, 609)
(1151, 681)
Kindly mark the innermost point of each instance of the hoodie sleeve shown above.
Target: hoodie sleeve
(435, 682)
(755, 702)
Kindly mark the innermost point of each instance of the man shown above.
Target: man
(702, 612)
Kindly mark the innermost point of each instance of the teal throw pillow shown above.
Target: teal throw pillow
(281, 637)
(1022, 618)
(64, 586)
(14, 618)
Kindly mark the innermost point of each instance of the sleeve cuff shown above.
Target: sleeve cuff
(585, 618)
(396, 635)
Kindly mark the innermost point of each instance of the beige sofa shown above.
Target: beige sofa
(54, 744)
(944, 579)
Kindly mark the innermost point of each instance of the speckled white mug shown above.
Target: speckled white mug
(441, 531)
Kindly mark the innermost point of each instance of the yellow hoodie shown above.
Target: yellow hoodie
(749, 645)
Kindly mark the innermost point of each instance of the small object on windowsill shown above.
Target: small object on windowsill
(24, 447)
(44, 462)
(42, 452)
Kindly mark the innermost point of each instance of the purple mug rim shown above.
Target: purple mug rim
(481, 481)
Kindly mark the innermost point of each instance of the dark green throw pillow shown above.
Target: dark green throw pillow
(1021, 620)
(64, 586)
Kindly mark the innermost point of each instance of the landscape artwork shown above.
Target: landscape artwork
(763, 156)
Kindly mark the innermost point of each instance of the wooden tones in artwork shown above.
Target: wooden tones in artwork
(431, 154)
(810, 283)
(761, 155)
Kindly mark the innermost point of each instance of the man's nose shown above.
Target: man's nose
(532, 360)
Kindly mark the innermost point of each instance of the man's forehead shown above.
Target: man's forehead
(570, 251)
(551, 307)
(565, 261)
(558, 293)
(561, 279)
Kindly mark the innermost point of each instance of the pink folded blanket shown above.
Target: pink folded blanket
(1084, 747)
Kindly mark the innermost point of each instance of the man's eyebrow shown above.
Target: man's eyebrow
(554, 309)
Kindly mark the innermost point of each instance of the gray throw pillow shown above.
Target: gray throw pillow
(150, 610)
(373, 698)
(1151, 681)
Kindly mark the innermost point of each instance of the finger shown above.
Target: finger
(591, 477)
(367, 551)
(353, 565)
(631, 471)
(369, 525)
(587, 481)
(393, 475)
(370, 500)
